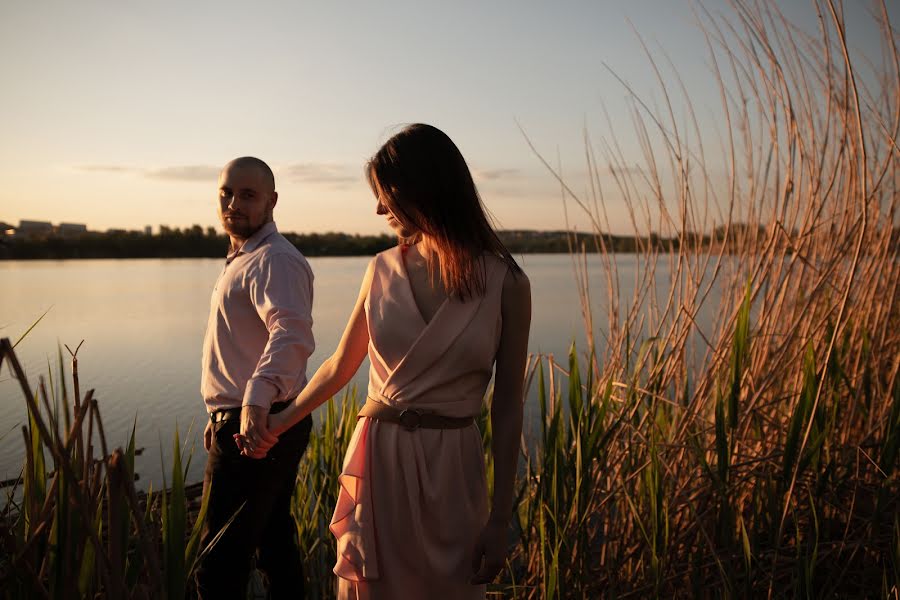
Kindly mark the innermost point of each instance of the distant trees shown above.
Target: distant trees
(172, 242)
(197, 242)
(340, 244)
(169, 243)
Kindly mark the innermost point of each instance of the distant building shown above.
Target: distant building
(35, 228)
(71, 229)
(6, 229)
(148, 230)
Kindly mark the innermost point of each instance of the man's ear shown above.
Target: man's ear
(273, 200)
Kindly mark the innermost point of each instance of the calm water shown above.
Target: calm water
(142, 322)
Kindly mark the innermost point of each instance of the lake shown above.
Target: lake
(142, 322)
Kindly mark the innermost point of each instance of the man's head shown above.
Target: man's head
(247, 196)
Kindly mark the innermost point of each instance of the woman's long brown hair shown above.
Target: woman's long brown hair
(422, 178)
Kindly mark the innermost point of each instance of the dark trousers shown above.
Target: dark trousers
(264, 523)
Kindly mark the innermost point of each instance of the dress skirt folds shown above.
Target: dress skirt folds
(411, 504)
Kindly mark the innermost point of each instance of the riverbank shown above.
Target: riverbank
(195, 242)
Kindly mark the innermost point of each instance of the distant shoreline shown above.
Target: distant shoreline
(196, 242)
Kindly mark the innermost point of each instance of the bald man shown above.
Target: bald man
(258, 340)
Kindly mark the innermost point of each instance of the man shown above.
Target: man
(258, 340)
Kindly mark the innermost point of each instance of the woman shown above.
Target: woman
(436, 314)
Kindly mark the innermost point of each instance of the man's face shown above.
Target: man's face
(246, 200)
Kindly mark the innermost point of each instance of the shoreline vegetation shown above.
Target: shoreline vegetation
(196, 242)
(757, 457)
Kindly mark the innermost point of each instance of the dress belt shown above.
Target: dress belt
(411, 418)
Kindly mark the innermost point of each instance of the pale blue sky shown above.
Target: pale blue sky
(119, 114)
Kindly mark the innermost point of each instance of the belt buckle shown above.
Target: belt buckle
(410, 419)
(220, 415)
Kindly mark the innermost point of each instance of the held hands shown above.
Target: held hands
(490, 552)
(255, 438)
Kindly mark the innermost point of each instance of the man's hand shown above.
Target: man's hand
(255, 437)
(207, 436)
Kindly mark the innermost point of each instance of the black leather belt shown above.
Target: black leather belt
(227, 414)
(224, 414)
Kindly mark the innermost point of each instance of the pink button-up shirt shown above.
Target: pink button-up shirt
(259, 334)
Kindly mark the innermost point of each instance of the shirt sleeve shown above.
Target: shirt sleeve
(282, 293)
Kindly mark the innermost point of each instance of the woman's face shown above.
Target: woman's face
(400, 227)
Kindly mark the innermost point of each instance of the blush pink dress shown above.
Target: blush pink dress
(412, 503)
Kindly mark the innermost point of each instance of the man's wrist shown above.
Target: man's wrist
(255, 404)
(259, 393)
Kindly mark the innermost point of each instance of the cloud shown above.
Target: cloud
(334, 175)
(185, 173)
(494, 174)
(330, 174)
(203, 173)
(108, 169)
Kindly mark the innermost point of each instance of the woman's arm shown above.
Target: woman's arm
(506, 422)
(506, 408)
(333, 375)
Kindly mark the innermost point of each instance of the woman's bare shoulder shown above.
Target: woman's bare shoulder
(516, 285)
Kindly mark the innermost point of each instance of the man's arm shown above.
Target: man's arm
(282, 293)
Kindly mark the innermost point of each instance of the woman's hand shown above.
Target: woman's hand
(275, 425)
(490, 552)
(249, 449)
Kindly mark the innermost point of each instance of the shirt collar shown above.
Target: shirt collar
(255, 240)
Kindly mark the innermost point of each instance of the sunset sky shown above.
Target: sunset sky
(120, 114)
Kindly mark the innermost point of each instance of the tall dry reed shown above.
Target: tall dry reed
(758, 457)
